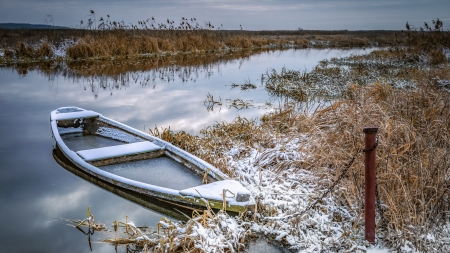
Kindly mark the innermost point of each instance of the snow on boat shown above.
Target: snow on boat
(136, 161)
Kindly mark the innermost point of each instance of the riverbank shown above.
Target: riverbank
(25, 46)
(289, 158)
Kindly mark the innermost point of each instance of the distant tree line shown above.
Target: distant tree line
(29, 26)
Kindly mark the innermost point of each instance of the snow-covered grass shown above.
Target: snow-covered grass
(120, 41)
(293, 155)
(290, 157)
(282, 187)
(282, 184)
(60, 49)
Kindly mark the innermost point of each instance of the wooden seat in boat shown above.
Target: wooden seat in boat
(118, 151)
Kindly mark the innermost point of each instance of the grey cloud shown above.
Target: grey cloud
(252, 14)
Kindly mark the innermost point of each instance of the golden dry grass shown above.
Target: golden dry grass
(412, 157)
(130, 43)
(413, 165)
(192, 236)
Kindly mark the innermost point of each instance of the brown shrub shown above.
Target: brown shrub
(117, 48)
(183, 44)
(80, 50)
(149, 45)
(211, 44)
(9, 53)
(45, 50)
(23, 50)
(436, 57)
(239, 42)
(165, 45)
(301, 43)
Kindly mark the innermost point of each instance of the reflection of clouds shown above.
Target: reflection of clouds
(56, 204)
(179, 109)
(177, 103)
(28, 100)
(72, 203)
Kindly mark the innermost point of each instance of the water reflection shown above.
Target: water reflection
(34, 189)
(165, 91)
(177, 212)
(110, 74)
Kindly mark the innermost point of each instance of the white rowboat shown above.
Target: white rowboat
(136, 161)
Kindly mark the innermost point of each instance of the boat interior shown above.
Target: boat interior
(118, 152)
(179, 212)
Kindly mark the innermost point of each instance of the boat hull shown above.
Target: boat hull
(94, 121)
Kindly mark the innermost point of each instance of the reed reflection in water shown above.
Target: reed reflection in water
(168, 92)
(171, 90)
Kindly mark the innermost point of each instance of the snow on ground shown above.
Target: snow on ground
(444, 83)
(60, 50)
(446, 52)
(282, 188)
(374, 250)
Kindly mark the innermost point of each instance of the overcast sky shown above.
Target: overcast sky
(251, 14)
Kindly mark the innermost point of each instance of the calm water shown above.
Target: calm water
(35, 189)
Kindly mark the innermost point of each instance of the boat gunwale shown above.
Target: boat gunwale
(140, 187)
(199, 163)
(104, 175)
(127, 194)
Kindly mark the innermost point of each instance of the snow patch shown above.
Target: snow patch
(117, 135)
(68, 109)
(117, 151)
(61, 49)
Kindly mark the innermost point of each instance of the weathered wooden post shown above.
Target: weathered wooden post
(370, 181)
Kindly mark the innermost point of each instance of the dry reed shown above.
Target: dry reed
(192, 236)
(112, 39)
(413, 164)
(412, 156)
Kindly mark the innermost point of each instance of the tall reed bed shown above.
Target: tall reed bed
(123, 44)
(412, 156)
(103, 38)
(430, 41)
(413, 165)
(134, 43)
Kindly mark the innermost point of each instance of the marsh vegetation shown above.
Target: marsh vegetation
(290, 156)
(106, 39)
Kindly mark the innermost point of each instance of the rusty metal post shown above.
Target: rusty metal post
(370, 181)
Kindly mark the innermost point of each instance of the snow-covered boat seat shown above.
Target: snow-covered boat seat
(117, 151)
(75, 115)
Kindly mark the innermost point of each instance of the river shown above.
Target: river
(35, 190)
